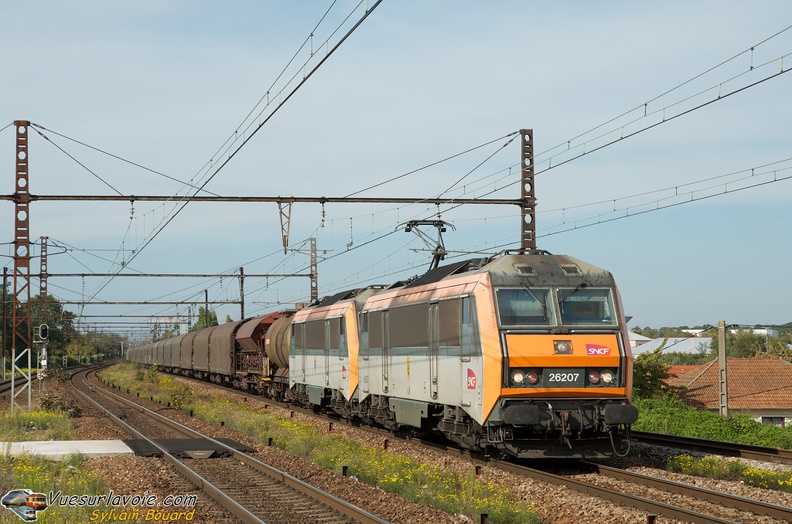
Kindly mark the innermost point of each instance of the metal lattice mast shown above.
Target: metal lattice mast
(21, 312)
(528, 206)
(314, 272)
(241, 292)
(43, 276)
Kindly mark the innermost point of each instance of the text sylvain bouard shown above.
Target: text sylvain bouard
(151, 514)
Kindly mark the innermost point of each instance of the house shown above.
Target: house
(637, 340)
(694, 345)
(758, 387)
(765, 332)
(681, 374)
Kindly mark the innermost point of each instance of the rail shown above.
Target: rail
(339, 505)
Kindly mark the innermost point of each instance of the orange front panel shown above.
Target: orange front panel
(556, 351)
(562, 392)
(353, 343)
(490, 348)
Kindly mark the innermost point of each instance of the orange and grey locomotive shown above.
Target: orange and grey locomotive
(517, 355)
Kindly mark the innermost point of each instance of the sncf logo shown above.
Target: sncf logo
(471, 379)
(594, 350)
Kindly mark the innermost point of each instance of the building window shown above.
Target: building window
(773, 421)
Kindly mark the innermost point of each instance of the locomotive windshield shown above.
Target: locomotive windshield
(586, 306)
(524, 306)
(579, 306)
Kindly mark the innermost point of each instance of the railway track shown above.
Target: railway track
(5, 386)
(755, 507)
(645, 493)
(639, 491)
(635, 490)
(251, 490)
(726, 449)
(653, 495)
(621, 495)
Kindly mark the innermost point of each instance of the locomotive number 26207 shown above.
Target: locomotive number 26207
(563, 377)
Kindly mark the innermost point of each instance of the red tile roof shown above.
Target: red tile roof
(753, 383)
(683, 369)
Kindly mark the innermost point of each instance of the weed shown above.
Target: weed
(719, 468)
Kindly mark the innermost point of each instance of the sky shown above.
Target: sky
(662, 142)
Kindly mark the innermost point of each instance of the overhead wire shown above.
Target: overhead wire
(432, 164)
(582, 135)
(184, 200)
(233, 137)
(305, 78)
(749, 50)
(665, 119)
(117, 157)
(105, 182)
(720, 95)
(514, 240)
(202, 186)
(504, 146)
(643, 106)
(658, 205)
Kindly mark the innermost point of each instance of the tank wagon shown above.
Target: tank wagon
(519, 355)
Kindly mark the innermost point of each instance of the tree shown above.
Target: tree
(684, 359)
(78, 350)
(201, 323)
(649, 376)
(48, 311)
(60, 322)
(744, 343)
(778, 348)
(675, 332)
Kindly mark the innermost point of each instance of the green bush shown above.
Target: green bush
(178, 395)
(152, 374)
(669, 415)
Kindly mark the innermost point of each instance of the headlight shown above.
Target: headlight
(607, 377)
(532, 377)
(562, 347)
(518, 377)
(594, 377)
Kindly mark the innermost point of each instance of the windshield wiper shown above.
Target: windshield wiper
(541, 302)
(580, 286)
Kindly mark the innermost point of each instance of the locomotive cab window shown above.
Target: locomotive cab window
(585, 306)
(525, 307)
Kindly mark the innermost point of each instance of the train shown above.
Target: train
(515, 355)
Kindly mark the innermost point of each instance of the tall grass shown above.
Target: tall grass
(42, 476)
(35, 425)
